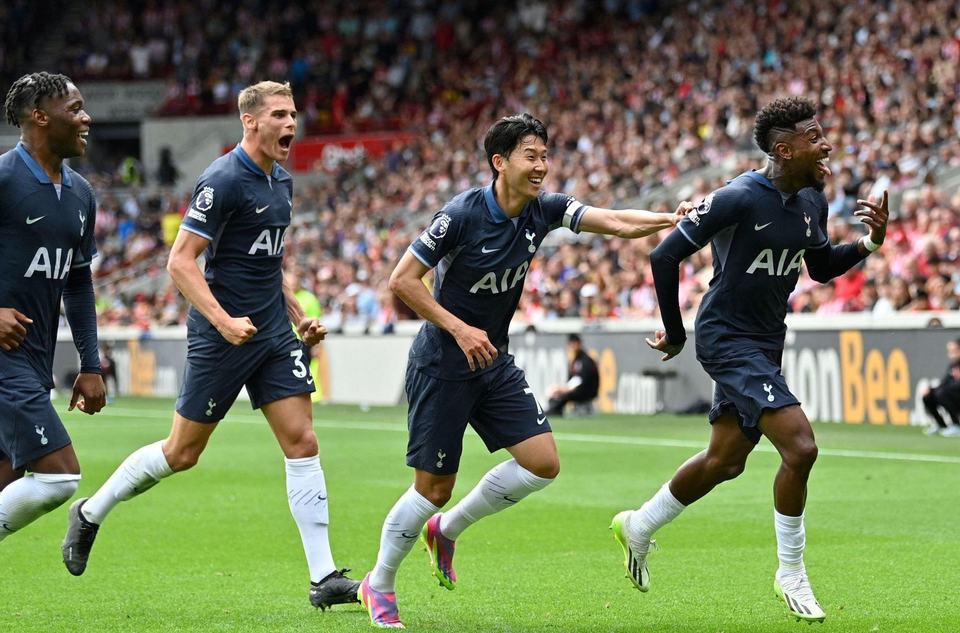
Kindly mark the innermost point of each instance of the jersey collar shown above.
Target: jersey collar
(496, 213)
(37, 170)
(755, 175)
(252, 166)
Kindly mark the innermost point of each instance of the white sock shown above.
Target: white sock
(139, 472)
(654, 514)
(307, 494)
(502, 487)
(791, 539)
(29, 498)
(401, 529)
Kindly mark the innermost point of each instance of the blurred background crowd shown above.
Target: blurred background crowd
(638, 96)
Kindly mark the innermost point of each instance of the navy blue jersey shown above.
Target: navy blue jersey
(245, 214)
(44, 235)
(481, 257)
(758, 241)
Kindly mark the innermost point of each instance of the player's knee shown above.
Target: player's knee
(438, 493)
(801, 455)
(57, 489)
(303, 445)
(725, 469)
(182, 459)
(548, 469)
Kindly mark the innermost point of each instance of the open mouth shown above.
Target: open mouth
(83, 136)
(285, 142)
(822, 166)
(536, 181)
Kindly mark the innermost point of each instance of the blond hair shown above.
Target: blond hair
(254, 97)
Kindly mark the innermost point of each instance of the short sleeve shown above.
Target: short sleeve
(211, 205)
(88, 243)
(559, 209)
(718, 211)
(442, 236)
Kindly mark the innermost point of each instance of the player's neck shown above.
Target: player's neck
(511, 203)
(780, 179)
(263, 161)
(50, 162)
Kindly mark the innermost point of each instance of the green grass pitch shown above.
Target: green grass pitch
(215, 548)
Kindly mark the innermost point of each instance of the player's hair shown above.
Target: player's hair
(783, 114)
(254, 97)
(27, 92)
(504, 136)
(574, 338)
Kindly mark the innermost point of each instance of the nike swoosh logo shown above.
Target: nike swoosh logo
(8, 528)
(492, 250)
(262, 209)
(760, 227)
(310, 382)
(409, 537)
(541, 420)
(32, 220)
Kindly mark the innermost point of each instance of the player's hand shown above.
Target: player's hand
(660, 343)
(875, 216)
(682, 210)
(89, 394)
(12, 331)
(311, 331)
(237, 331)
(476, 346)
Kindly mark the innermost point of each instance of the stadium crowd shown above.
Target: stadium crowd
(634, 94)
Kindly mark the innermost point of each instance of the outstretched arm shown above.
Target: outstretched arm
(407, 282)
(629, 223)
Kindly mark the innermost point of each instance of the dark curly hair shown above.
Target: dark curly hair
(507, 133)
(783, 114)
(28, 91)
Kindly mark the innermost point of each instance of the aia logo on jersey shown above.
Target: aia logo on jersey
(51, 266)
(779, 266)
(270, 241)
(507, 281)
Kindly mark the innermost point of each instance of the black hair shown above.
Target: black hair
(783, 114)
(27, 92)
(574, 338)
(504, 136)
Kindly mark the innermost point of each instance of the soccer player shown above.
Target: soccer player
(47, 213)
(762, 227)
(238, 334)
(459, 370)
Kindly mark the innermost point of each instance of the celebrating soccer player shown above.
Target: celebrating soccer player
(762, 227)
(459, 370)
(238, 335)
(47, 213)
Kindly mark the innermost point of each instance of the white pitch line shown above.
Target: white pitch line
(565, 437)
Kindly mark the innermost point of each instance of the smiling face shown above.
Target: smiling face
(807, 153)
(525, 167)
(273, 127)
(65, 123)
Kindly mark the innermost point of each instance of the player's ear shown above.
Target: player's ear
(500, 163)
(249, 122)
(783, 150)
(39, 117)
